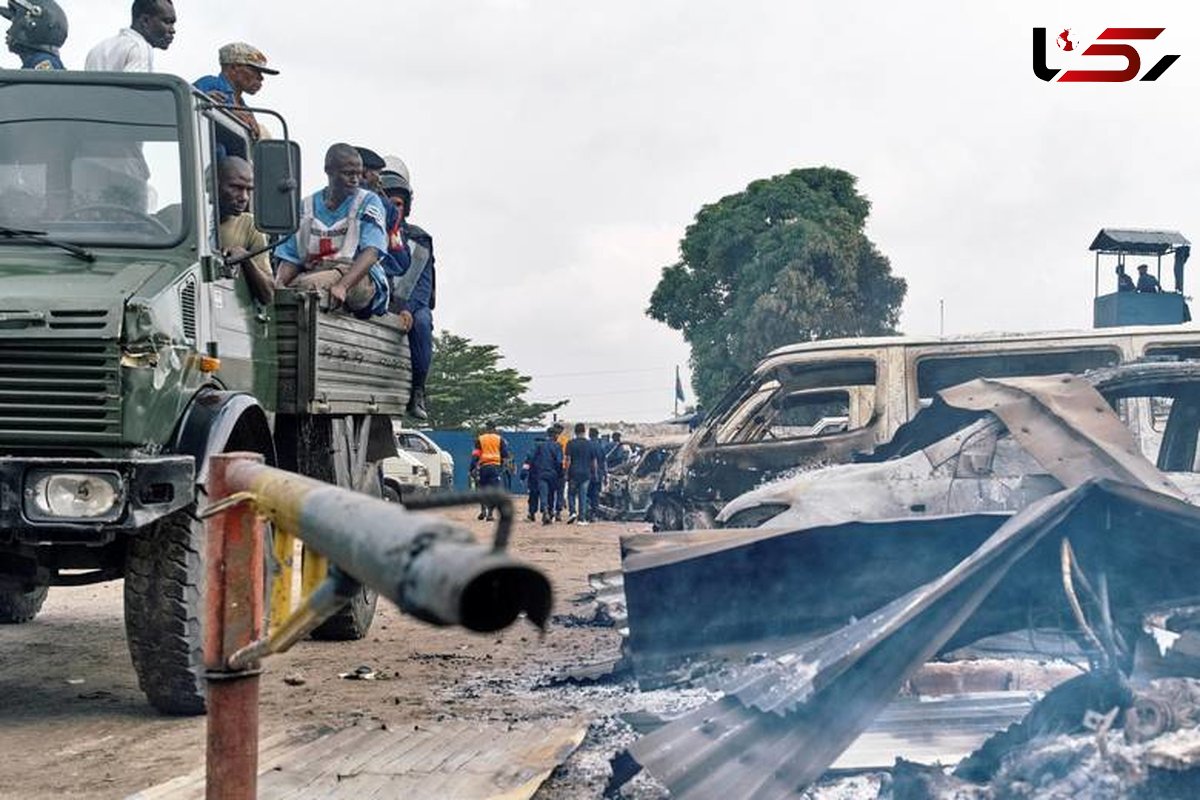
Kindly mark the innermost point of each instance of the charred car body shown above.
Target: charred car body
(629, 487)
(959, 456)
(778, 418)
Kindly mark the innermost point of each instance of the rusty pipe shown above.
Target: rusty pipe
(429, 567)
(233, 614)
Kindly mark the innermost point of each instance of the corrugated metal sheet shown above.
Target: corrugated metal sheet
(786, 720)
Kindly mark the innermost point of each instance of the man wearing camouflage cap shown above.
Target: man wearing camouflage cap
(242, 70)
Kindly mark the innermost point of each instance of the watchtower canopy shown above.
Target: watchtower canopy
(1133, 241)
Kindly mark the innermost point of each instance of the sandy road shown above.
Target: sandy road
(73, 722)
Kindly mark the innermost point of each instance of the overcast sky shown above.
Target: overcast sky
(559, 148)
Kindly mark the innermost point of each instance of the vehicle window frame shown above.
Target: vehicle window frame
(923, 360)
(732, 430)
(182, 115)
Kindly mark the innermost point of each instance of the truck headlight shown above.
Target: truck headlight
(73, 495)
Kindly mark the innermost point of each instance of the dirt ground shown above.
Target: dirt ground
(73, 722)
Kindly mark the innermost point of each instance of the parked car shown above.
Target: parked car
(997, 446)
(780, 416)
(437, 461)
(402, 475)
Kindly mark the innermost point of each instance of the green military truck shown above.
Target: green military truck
(130, 353)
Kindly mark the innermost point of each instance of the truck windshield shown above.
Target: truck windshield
(96, 165)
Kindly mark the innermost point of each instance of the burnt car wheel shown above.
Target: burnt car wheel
(17, 606)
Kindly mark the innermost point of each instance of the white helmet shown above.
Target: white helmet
(396, 165)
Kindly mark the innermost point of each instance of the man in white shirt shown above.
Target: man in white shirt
(131, 50)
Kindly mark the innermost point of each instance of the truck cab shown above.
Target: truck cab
(130, 352)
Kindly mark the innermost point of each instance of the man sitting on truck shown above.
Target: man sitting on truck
(340, 240)
(239, 237)
(414, 289)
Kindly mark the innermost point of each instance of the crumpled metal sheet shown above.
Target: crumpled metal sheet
(1064, 423)
(786, 720)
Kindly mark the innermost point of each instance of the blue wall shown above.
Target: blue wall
(460, 444)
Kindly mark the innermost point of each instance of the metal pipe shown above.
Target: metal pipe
(427, 566)
(233, 614)
(497, 498)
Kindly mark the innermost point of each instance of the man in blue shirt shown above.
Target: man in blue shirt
(413, 289)
(38, 30)
(242, 70)
(340, 240)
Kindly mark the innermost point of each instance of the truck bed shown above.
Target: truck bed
(334, 363)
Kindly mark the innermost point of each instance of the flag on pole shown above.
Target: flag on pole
(678, 387)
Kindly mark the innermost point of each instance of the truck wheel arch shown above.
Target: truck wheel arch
(220, 421)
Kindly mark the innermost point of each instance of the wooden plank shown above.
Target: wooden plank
(460, 760)
(192, 785)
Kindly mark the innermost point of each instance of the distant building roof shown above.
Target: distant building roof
(1139, 242)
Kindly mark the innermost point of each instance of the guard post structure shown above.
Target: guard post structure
(426, 565)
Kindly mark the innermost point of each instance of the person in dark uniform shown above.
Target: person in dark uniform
(1124, 282)
(38, 30)
(547, 465)
(601, 472)
(1146, 282)
(414, 292)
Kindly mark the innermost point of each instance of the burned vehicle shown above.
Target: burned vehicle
(1063, 504)
(786, 414)
(628, 487)
(989, 446)
(846, 540)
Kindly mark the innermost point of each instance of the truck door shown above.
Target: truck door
(240, 327)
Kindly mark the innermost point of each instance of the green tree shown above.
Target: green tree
(784, 261)
(466, 388)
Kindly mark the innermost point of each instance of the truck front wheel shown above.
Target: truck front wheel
(17, 607)
(164, 607)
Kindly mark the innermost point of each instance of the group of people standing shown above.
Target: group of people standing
(355, 240)
(567, 472)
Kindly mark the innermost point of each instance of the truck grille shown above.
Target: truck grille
(59, 391)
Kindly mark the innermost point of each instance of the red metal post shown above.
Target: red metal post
(233, 618)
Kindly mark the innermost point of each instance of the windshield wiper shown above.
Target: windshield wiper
(40, 238)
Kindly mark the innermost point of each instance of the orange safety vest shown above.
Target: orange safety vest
(489, 449)
(562, 442)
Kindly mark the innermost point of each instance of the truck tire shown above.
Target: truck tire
(352, 622)
(17, 607)
(164, 610)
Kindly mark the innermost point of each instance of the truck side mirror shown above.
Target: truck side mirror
(277, 186)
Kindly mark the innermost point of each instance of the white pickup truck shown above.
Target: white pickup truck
(439, 463)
